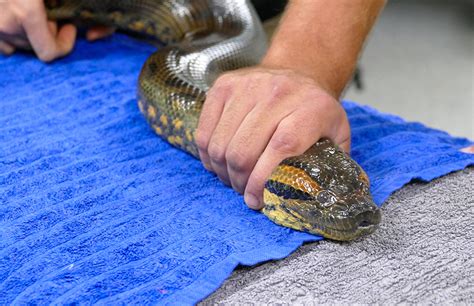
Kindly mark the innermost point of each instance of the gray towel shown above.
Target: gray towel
(421, 254)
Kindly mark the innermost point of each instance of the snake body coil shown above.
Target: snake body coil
(322, 191)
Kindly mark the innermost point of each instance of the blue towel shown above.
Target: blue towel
(96, 208)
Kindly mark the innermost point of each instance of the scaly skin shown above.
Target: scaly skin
(322, 191)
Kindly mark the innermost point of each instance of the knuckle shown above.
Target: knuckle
(280, 86)
(256, 183)
(328, 101)
(214, 93)
(236, 160)
(216, 153)
(253, 80)
(25, 10)
(224, 81)
(221, 88)
(286, 142)
(321, 98)
(21, 14)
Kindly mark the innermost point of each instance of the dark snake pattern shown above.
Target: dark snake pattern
(322, 191)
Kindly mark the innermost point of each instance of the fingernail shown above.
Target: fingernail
(252, 201)
(207, 166)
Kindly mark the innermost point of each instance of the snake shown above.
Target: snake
(322, 191)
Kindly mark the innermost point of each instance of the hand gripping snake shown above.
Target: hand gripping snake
(322, 191)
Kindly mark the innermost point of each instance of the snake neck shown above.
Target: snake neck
(210, 36)
(203, 39)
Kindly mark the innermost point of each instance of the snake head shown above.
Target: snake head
(343, 219)
(323, 192)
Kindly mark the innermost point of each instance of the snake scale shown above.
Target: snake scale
(322, 191)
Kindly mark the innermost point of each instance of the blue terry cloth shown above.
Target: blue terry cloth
(96, 208)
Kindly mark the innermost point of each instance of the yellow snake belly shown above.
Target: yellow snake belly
(322, 191)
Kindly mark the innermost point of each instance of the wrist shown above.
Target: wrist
(328, 48)
(324, 74)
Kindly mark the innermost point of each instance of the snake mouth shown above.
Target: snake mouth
(363, 224)
(344, 229)
(341, 222)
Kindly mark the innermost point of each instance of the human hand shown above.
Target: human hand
(254, 118)
(24, 25)
(469, 149)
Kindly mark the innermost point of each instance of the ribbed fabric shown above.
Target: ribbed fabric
(96, 208)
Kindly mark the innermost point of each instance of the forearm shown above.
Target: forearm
(322, 39)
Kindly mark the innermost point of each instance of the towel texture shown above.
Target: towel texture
(420, 255)
(96, 208)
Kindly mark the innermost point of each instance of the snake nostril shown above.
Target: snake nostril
(368, 219)
(365, 223)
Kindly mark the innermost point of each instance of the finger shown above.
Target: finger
(53, 27)
(65, 39)
(285, 142)
(252, 137)
(469, 149)
(235, 111)
(209, 117)
(15, 41)
(98, 32)
(46, 45)
(341, 134)
(346, 145)
(6, 48)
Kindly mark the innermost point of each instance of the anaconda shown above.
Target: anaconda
(322, 191)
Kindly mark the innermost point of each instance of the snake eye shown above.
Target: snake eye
(326, 198)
